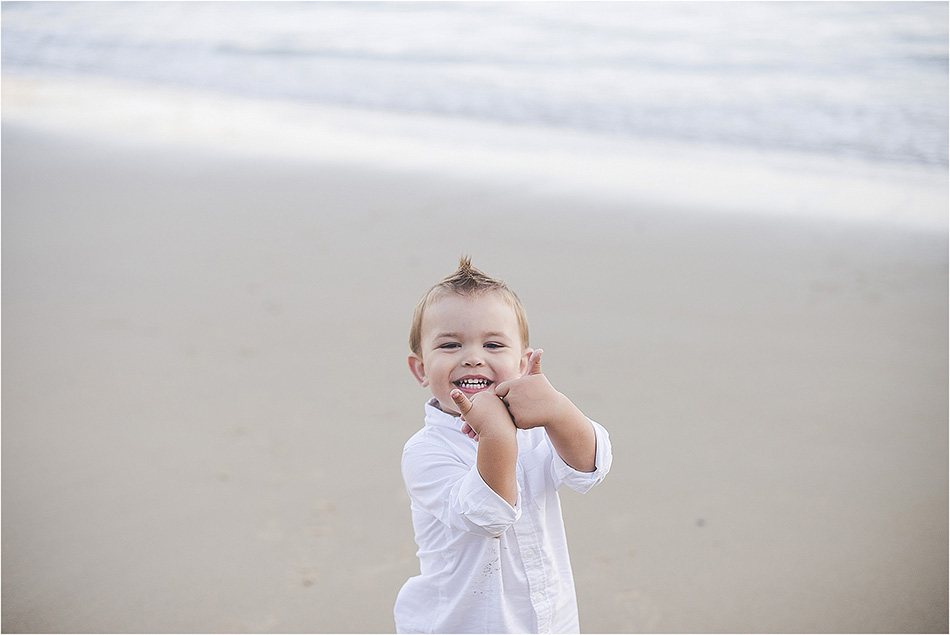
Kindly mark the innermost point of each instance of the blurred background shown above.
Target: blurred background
(864, 79)
(727, 221)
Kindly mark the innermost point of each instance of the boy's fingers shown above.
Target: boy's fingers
(534, 362)
(534, 368)
(461, 401)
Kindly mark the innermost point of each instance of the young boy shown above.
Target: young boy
(483, 472)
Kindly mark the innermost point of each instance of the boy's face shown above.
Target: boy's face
(469, 343)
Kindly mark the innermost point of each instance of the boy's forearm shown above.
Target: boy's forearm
(573, 438)
(496, 460)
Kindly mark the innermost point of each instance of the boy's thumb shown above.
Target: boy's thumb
(461, 401)
(534, 363)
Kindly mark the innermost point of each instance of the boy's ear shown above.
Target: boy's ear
(525, 359)
(418, 369)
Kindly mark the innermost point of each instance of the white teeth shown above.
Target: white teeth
(472, 383)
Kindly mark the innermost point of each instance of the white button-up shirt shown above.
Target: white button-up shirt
(485, 566)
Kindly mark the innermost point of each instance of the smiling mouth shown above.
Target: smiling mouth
(473, 384)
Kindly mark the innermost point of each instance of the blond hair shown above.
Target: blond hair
(466, 281)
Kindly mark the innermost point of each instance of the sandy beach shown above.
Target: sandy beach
(205, 392)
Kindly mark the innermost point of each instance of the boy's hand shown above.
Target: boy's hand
(532, 401)
(483, 413)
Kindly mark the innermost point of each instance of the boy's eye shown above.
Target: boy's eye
(449, 345)
(494, 345)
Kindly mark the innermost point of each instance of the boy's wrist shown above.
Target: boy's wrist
(566, 414)
(496, 428)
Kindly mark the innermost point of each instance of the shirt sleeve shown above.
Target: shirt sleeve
(441, 484)
(581, 482)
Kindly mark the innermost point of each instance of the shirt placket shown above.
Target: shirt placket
(532, 554)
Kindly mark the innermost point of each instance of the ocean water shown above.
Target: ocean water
(864, 80)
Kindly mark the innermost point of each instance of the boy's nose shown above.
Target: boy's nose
(472, 362)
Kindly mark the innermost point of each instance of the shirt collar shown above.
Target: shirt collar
(436, 417)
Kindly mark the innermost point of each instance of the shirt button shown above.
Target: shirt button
(529, 553)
